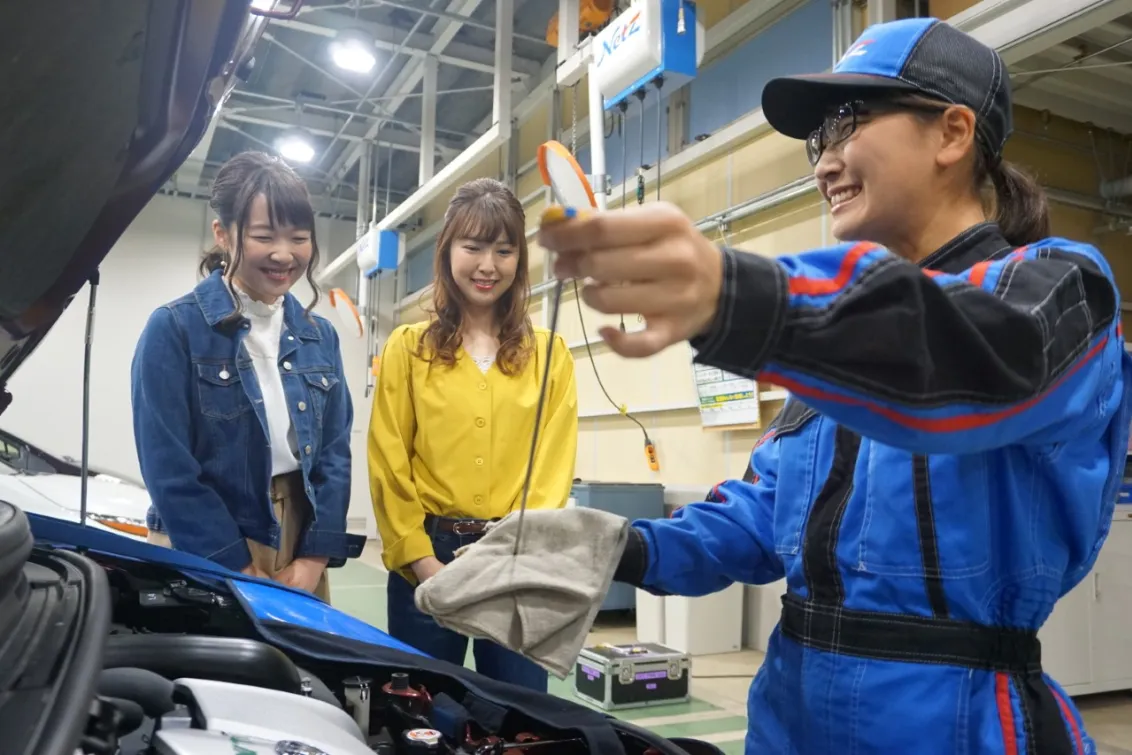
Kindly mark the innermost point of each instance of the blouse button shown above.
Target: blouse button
(479, 500)
(479, 461)
(483, 386)
(480, 422)
(286, 365)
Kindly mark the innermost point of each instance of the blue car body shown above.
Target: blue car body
(264, 600)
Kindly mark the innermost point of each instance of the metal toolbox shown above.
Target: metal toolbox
(614, 677)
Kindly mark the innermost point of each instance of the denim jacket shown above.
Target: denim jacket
(201, 430)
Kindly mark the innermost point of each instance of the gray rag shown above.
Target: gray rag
(540, 603)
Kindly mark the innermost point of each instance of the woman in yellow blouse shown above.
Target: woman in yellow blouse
(453, 417)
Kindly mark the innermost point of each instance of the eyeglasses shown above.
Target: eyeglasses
(841, 123)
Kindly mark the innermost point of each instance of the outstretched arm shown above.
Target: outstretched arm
(1025, 348)
(705, 547)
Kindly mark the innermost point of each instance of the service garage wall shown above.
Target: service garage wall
(154, 262)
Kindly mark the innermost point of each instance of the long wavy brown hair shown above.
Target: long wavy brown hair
(482, 210)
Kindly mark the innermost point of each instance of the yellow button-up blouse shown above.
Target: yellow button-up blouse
(454, 441)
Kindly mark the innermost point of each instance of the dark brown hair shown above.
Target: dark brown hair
(483, 210)
(1020, 205)
(236, 186)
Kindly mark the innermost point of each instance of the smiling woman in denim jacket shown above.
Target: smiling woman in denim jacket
(241, 410)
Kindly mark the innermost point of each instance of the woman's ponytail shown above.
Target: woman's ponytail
(1022, 210)
(216, 258)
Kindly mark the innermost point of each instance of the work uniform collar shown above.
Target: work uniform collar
(216, 303)
(972, 246)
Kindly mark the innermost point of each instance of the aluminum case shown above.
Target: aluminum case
(615, 677)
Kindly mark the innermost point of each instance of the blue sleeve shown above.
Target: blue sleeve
(164, 421)
(1022, 348)
(330, 477)
(705, 547)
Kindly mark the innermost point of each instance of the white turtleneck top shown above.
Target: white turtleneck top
(262, 343)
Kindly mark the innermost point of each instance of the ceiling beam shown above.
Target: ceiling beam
(1070, 102)
(388, 38)
(407, 80)
(284, 104)
(465, 21)
(1065, 55)
(400, 140)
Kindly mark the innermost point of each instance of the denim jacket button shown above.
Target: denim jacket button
(224, 375)
(290, 338)
(286, 365)
(302, 406)
(325, 382)
(307, 450)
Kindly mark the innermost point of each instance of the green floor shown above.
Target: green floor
(359, 590)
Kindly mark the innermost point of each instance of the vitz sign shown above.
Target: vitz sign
(653, 38)
(615, 35)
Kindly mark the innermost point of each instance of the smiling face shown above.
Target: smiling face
(484, 270)
(879, 167)
(274, 255)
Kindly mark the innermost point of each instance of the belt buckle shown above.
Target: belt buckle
(467, 528)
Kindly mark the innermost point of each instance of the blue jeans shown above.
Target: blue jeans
(411, 626)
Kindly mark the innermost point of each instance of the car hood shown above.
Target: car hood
(102, 102)
(104, 498)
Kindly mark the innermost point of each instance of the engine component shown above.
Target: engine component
(357, 700)
(422, 740)
(417, 699)
(227, 659)
(259, 721)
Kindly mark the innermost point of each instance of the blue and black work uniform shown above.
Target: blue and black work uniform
(945, 469)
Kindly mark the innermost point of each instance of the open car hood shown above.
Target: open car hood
(102, 103)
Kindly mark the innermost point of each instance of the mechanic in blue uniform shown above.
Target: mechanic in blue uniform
(947, 464)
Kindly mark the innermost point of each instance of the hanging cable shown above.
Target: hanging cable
(650, 447)
(622, 409)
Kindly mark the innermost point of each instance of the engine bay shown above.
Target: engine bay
(184, 669)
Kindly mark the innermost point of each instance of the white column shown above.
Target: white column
(504, 29)
(597, 140)
(428, 120)
(567, 29)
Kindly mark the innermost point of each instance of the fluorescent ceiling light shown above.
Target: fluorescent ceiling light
(263, 4)
(295, 146)
(353, 50)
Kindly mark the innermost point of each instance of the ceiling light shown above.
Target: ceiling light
(353, 50)
(263, 4)
(295, 146)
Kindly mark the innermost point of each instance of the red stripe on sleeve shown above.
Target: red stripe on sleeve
(957, 423)
(824, 286)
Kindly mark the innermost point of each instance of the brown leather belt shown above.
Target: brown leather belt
(453, 526)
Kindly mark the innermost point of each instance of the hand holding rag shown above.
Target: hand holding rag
(540, 603)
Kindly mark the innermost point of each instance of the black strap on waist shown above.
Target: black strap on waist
(911, 639)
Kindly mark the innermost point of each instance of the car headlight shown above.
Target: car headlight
(122, 524)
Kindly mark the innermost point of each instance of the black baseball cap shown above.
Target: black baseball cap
(914, 56)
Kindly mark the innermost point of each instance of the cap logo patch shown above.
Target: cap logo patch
(856, 50)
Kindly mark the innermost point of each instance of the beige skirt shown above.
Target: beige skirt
(294, 513)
